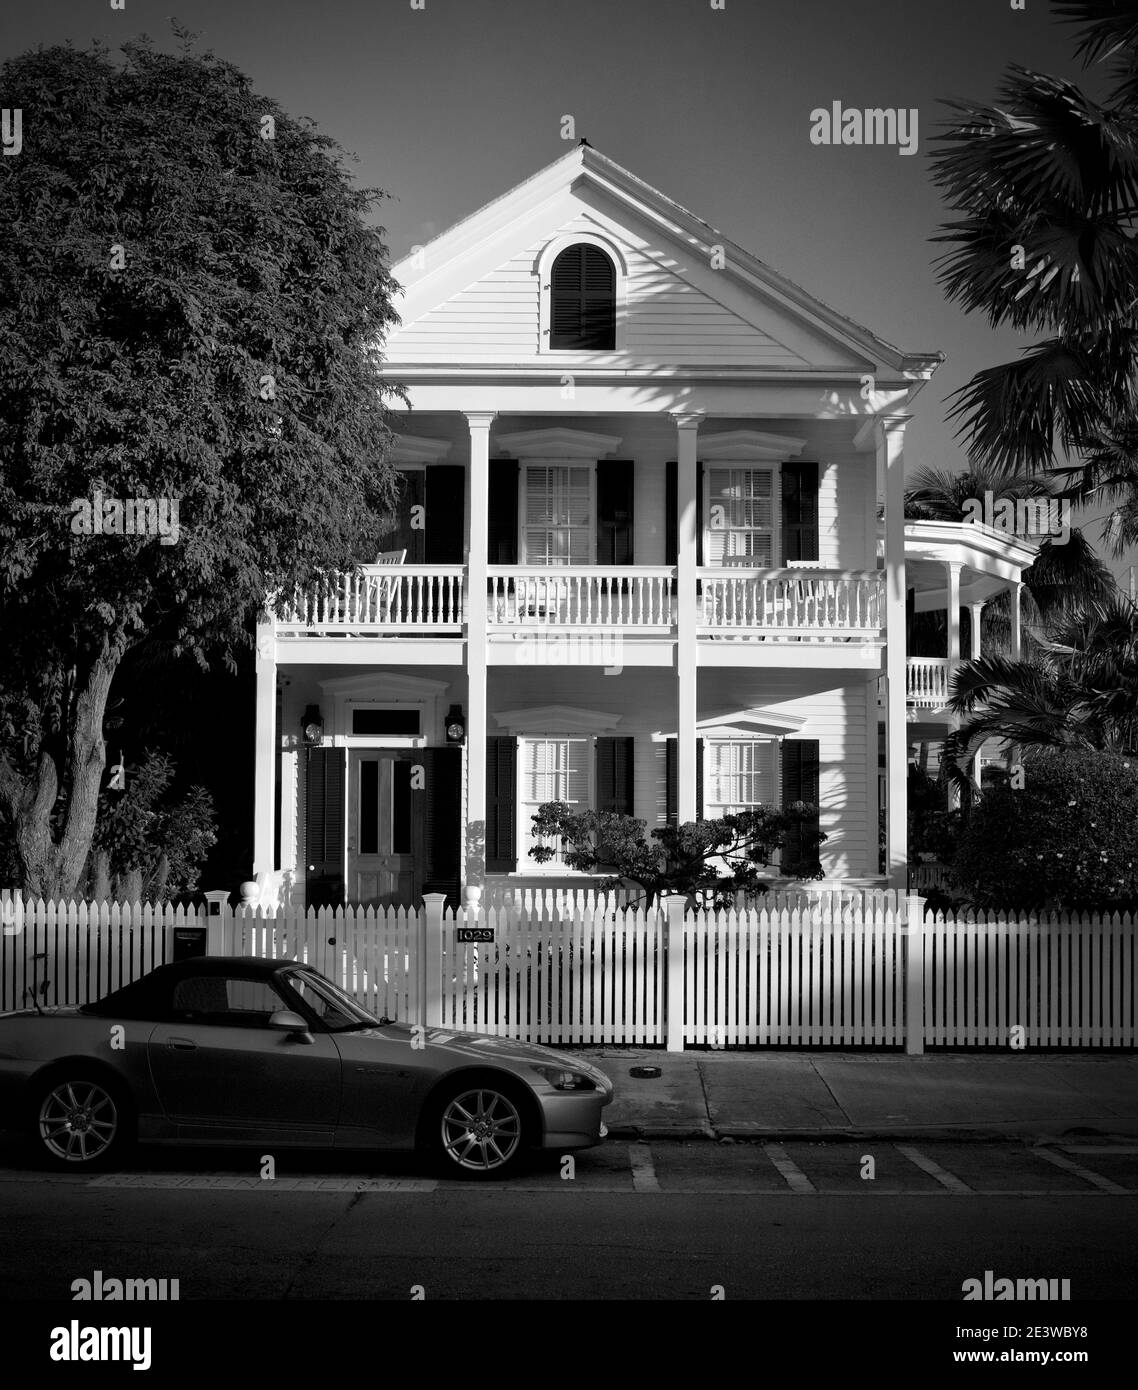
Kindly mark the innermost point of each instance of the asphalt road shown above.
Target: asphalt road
(687, 1221)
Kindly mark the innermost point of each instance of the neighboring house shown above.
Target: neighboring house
(635, 566)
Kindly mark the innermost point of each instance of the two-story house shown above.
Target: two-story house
(635, 566)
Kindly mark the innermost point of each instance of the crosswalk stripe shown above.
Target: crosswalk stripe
(644, 1177)
(934, 1170)
(796, 1179)
(1069, 1165)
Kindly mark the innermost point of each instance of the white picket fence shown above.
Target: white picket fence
(811, 968)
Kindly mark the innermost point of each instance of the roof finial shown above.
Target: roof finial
(583, 141)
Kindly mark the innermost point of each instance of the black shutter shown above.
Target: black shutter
(445, 504)
(672, 782)
(671, 512)
(501, 804)
(800, 766)
(614, 512)
(324, 828)
(582, 300)
(614, 775)
(442, 821)
(502, 504)
(799, 511)
(699, 513)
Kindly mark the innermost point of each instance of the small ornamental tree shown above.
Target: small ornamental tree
(718, 857)
(193, 301)
(1068, 839)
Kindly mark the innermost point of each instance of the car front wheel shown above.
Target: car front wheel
(481, 1132)
(80, 1122)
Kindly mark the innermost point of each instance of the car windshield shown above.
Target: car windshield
(335, 1008)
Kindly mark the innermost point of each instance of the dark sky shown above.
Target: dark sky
(448, 106)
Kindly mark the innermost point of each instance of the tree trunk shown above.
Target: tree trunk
(53, 869)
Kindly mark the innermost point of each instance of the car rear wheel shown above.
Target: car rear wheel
(482, 1132)
(81, 1122)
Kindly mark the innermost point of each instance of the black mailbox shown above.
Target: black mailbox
(189, 942)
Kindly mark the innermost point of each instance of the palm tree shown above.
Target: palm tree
(1080, 690)
(1046, 182)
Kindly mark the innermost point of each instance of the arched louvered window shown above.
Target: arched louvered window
(582, 304)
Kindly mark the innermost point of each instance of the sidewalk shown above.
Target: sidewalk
(833, 1095)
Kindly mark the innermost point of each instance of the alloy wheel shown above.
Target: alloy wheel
(78, 1121)
(481, 1130)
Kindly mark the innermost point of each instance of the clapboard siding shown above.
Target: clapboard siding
(668, 320)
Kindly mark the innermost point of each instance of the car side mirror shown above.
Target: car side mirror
(290, 1022)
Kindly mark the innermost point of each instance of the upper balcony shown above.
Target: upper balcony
(796, 604)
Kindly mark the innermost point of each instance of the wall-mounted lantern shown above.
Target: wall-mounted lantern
(456, 725)
(312, 726)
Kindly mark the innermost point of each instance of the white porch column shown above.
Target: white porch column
(264, 750)
(890, 442)
(477, 559)
(954, 567)
(1017, 629)
(687, 426)
(977, 610)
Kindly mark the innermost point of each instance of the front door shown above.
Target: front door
(386, 803)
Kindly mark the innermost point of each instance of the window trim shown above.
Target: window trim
(543, 272)
(522, 818)
(774, 468)
(524, 465)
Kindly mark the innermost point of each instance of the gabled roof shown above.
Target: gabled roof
(585, 168)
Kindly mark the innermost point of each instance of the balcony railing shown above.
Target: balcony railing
(792, 602)
(580, 596)
(399, 598)
(926, 681)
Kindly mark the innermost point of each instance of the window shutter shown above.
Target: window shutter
(671, 775)
(442, 821)
(799, 511)
(614, 512)
(324, 828)
(699, 514)
(444, 503)
(671, 512)
(502, 503)
(614, 775)
(501, 804)
(582, 300)
(396, 530)
(800, 780)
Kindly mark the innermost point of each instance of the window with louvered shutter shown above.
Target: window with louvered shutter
(799, 489)
(582, 300)
(558, 515)
(740, 515)
(553, 769)
(739, 774)
(800, 782)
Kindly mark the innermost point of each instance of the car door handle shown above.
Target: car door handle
(181, 1045)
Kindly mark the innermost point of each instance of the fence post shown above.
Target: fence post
(429, 960)
(11, 911)
(218, 922)
(674, 905)
(914, 973)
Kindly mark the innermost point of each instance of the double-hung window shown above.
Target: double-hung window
(552, 769)
(557, 528)
(739, 774)
(741, 506)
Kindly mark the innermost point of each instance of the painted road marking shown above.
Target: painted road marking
(644, 1177)
(796, 1179)
(934, 1170)
(1069, 1165)
(1126, 1150)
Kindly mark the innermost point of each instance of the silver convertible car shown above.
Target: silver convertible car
(245, 1051)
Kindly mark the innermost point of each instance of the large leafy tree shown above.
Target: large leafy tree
(193, 299)
(1045, 182)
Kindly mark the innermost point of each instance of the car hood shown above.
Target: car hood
(479, 1046)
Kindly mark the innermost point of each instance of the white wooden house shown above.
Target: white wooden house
(636, 566)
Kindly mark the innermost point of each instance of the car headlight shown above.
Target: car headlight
(562, 1079)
